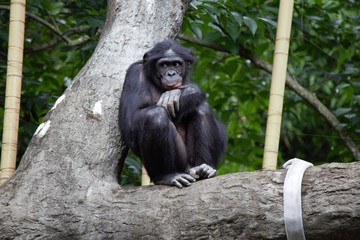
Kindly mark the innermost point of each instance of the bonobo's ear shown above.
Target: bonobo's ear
(145, 57)
(191, 52)
(190, 58)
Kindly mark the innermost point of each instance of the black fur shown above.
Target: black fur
(169, 145)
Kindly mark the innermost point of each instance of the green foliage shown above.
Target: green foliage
(49, 61)
(324, 58)
(131, 174)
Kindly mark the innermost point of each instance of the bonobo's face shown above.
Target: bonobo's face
(171, 70)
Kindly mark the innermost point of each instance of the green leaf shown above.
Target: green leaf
(196, 30)
(269, 21)
(238, 17)
(94, 22)
(212, 9)
(341, 111)
(251, 24)
(212, 36)
(233, 30)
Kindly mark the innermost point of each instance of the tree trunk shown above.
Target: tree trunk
(66, 185)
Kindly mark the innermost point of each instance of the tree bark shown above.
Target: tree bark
(234, 206)
(66, 185)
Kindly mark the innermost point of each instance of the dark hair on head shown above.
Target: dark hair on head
(158, 51)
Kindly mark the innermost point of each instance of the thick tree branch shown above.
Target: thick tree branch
(234, 206)
(292, 84)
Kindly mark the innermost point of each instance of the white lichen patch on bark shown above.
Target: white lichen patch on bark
(58, 101)
(42, 129)
(97, 110)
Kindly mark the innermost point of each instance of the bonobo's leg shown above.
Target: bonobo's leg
(162, 149)
(206, 142)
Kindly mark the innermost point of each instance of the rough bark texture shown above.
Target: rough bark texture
(66, 186)
(236, 206)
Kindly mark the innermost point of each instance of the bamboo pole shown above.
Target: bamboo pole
(277, 88)
(13, 89)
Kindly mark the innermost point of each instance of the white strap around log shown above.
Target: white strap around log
(292, 198)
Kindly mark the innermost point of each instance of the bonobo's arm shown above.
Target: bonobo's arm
(181, 101)
(191, 97)
(170, 100)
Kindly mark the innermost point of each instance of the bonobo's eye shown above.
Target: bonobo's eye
(177, 64)
(163, 65)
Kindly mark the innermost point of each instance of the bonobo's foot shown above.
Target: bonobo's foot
(175, 179)
(202, 171)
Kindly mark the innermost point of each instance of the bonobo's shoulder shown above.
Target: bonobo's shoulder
(136, 66)
(192, 87)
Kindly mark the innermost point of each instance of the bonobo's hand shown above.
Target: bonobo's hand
(176, 179)
(170, 100)
(202, 171)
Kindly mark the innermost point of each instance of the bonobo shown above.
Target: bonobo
(165, 119)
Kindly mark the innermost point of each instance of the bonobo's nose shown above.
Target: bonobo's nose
(171, 73)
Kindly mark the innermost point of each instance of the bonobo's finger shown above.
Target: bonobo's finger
(183, 181)
(177, 105)
(189, 177)
(201, 168)
(179, 180)
(203, 171)
(161, 101)
(170, 105)
(208, 172)
(177, 184)
(177, 100)
(193, 173)
(173, 102)
(166, 98)
(166, 102)
(171, 110)
(212, 173)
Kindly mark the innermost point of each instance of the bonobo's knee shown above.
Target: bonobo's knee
(156, 118)
(203, 110)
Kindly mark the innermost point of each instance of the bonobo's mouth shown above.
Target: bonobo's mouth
(173, 86)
